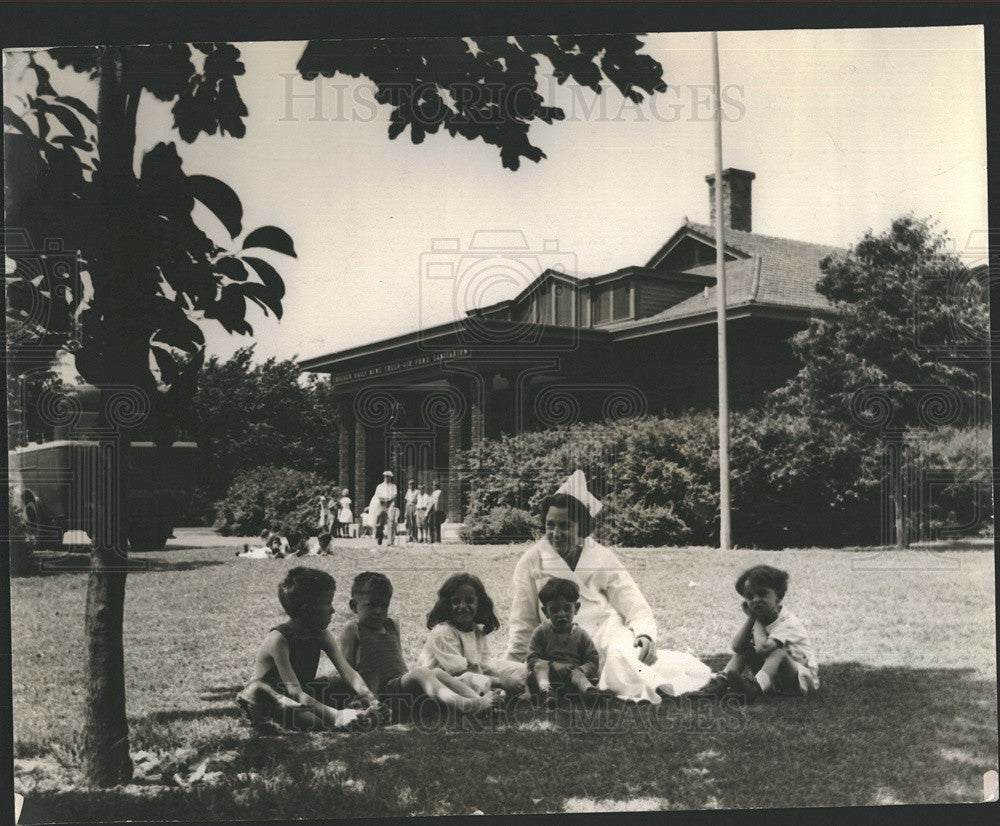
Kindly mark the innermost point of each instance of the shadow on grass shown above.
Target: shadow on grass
(57, 564)
(870, 736)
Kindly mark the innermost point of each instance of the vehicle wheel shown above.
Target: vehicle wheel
(37, 536)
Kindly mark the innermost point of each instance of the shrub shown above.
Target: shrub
(955, 466)
(273, 498)
(792, 484)
(501, 525)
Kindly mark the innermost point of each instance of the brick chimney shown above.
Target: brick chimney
(736, 185)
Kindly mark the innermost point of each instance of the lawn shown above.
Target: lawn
(906, 641)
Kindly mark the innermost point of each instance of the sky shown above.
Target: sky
(845, 130)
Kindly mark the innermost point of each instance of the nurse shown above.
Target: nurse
(612, 608)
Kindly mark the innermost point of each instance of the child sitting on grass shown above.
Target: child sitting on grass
(460, 621)
(771, 651)
(287, 661)
(561, 655)
(371, 645)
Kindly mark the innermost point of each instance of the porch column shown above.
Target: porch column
(360, 465)
(455, 428)
(344, 447)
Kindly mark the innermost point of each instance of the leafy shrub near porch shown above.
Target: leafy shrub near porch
(791, 485)
(501, 525)
(274, 498)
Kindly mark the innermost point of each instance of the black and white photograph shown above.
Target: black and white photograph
(498, 419)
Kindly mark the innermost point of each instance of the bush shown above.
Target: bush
(501, 525)
(792, 484)
(956, 466)
(273, 498)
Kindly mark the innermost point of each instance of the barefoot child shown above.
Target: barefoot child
(771, 651)
(561, 654)
(288, 658)
(370, 643)
(460, 622)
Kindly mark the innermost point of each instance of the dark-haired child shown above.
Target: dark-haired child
(371, 644)
(771, 651)
(561, 654)
(288, 658)
(459, 623)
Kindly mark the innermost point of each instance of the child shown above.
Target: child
(422, 505)
(287, 660)
(561, 654)
(371, 645)
(344, 515)
(392, 522)
(262, 551)
(367, 528)
(325, 521)
(771, 651)
(460, 622)
(317, 546)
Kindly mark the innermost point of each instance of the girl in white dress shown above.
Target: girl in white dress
(613, 610)
(344, 515)
(459, 622)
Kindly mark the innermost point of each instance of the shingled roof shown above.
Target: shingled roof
(768, 270)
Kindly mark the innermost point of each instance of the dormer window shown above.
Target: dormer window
(612, 302)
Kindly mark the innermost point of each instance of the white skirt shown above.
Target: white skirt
(674, 672)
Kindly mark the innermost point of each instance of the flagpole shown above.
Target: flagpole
(720, 280)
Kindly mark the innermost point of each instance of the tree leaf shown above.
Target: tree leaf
(68, 119)
(268, 276)
(232, 268)
(263, 297)
(16, 122)
(272, 238)
(220, 199)
(79, 105)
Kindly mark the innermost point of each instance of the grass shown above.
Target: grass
(906, 641)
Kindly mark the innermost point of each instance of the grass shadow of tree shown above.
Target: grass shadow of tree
(872, 735)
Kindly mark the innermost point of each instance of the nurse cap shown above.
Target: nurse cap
(576, 486)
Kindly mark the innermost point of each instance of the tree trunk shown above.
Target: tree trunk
(897, 494)
(106, 760)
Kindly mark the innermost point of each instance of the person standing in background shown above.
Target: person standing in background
(435, 513)
(410, 510)
(385, 495)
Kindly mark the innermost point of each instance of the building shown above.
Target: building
(641, 339)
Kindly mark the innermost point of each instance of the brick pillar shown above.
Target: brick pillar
(478, 407)
(455, 429)
(360, 466)
(344, 446)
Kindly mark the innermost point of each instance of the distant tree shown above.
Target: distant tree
(905, 350)
(249, 415)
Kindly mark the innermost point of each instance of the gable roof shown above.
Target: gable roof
(765, 270)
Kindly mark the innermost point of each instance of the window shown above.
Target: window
(545, 305)
(564, 304)
(602, 305)
(612, 302)
(621, 304)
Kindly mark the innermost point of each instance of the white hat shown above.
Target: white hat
(387, 473)
(576, 486)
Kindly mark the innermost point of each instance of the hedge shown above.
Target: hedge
(792, 485)
(273, 498)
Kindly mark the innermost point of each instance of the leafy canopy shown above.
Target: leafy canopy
(483, 87)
